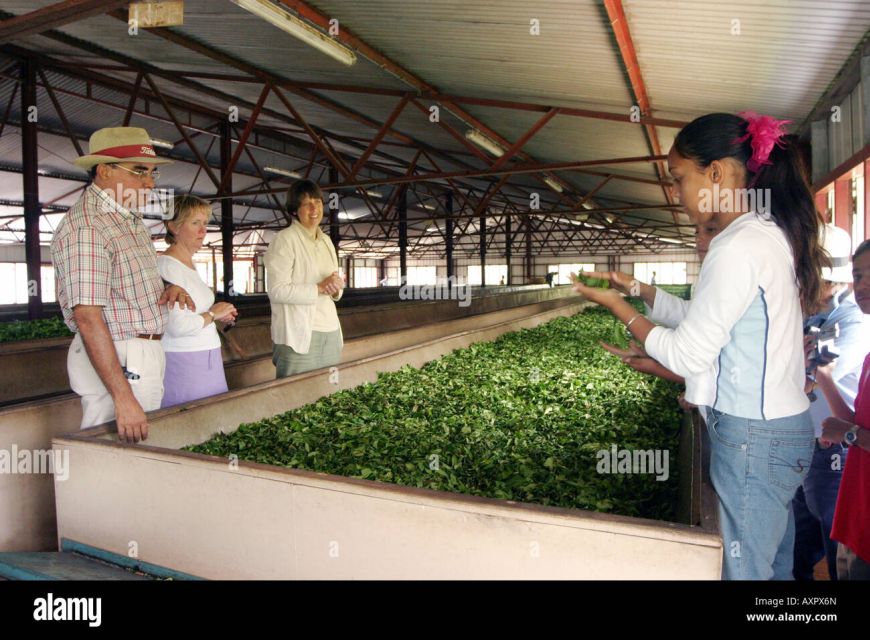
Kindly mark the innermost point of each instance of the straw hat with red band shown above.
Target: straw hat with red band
(120, 144)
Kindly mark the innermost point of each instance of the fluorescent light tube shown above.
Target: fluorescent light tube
(298, 28)
(163, 144)
(555, 186)
(283, 172)
(484, 142)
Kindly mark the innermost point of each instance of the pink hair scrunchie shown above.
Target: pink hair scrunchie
(764, 132)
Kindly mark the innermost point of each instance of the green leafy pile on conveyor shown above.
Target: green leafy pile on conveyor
(33, 329)
(519, 418)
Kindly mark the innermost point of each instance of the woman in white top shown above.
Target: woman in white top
(303, 285)
(194, 366)
(746, 321)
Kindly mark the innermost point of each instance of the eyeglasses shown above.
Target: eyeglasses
(140, 173)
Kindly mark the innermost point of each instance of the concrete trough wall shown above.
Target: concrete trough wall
(27, 511)
(196, 515)
(251, 338)
(203, 516)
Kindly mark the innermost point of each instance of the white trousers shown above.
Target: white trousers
(142, 357)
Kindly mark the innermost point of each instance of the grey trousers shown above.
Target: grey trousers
(325, 351)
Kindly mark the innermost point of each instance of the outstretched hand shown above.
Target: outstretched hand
(622, 282)
(604, 297)
(634, 350)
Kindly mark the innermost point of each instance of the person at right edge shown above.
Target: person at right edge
(842, 341)
(852, 428)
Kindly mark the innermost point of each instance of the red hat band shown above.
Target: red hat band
(127, 151)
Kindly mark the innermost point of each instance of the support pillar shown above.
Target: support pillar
(32, 208)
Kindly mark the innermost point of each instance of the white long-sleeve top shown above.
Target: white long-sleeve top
(186, 330)
(669, 310)
(295, 262)
(746, 319)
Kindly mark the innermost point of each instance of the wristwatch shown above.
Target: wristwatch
(211, 314)
(851, 436)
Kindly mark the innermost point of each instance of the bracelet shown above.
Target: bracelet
(211, 314)
(628, 324)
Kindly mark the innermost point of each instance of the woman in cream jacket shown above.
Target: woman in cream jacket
(303, 286)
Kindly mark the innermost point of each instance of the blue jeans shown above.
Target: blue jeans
(813, 506)
(756, 466)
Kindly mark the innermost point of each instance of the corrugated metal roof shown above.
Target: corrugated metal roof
(566, 138)
(786, 53)
(229, 28)
(486, 47)
(785, 56)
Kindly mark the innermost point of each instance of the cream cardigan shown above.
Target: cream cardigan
(294, 265)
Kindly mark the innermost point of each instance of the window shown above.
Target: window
(494, 274)
(563, 271)
(14, 289)
(665, 272)
(365, 277)
(421, 275)
(48, 293)
(243, 275)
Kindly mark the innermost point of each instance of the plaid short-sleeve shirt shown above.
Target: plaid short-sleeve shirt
(103, 256)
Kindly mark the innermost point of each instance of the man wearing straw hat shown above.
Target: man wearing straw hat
(109, 288)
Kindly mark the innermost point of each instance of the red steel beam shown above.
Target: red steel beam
(458, 136)
(394, 197)
(133, 96)
(349, 38)
(543, 213)
(595, 189)
(622, 33)
(264, 76)
(241, 65)
(388, 123)
(619, 24)
(481, 206)
(252, 120)
(459, 99)
(202, 161)
(88, 76)
(563, 111)
(528, 135)
(8, 108)
(478, 173)
(60, 113)
(315, 138)
(265, 179)
(112, 82)
(53, 16)
(464, 142)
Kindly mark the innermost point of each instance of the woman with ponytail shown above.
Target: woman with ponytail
(745, 321)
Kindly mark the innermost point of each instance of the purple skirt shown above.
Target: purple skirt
(191, 375)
